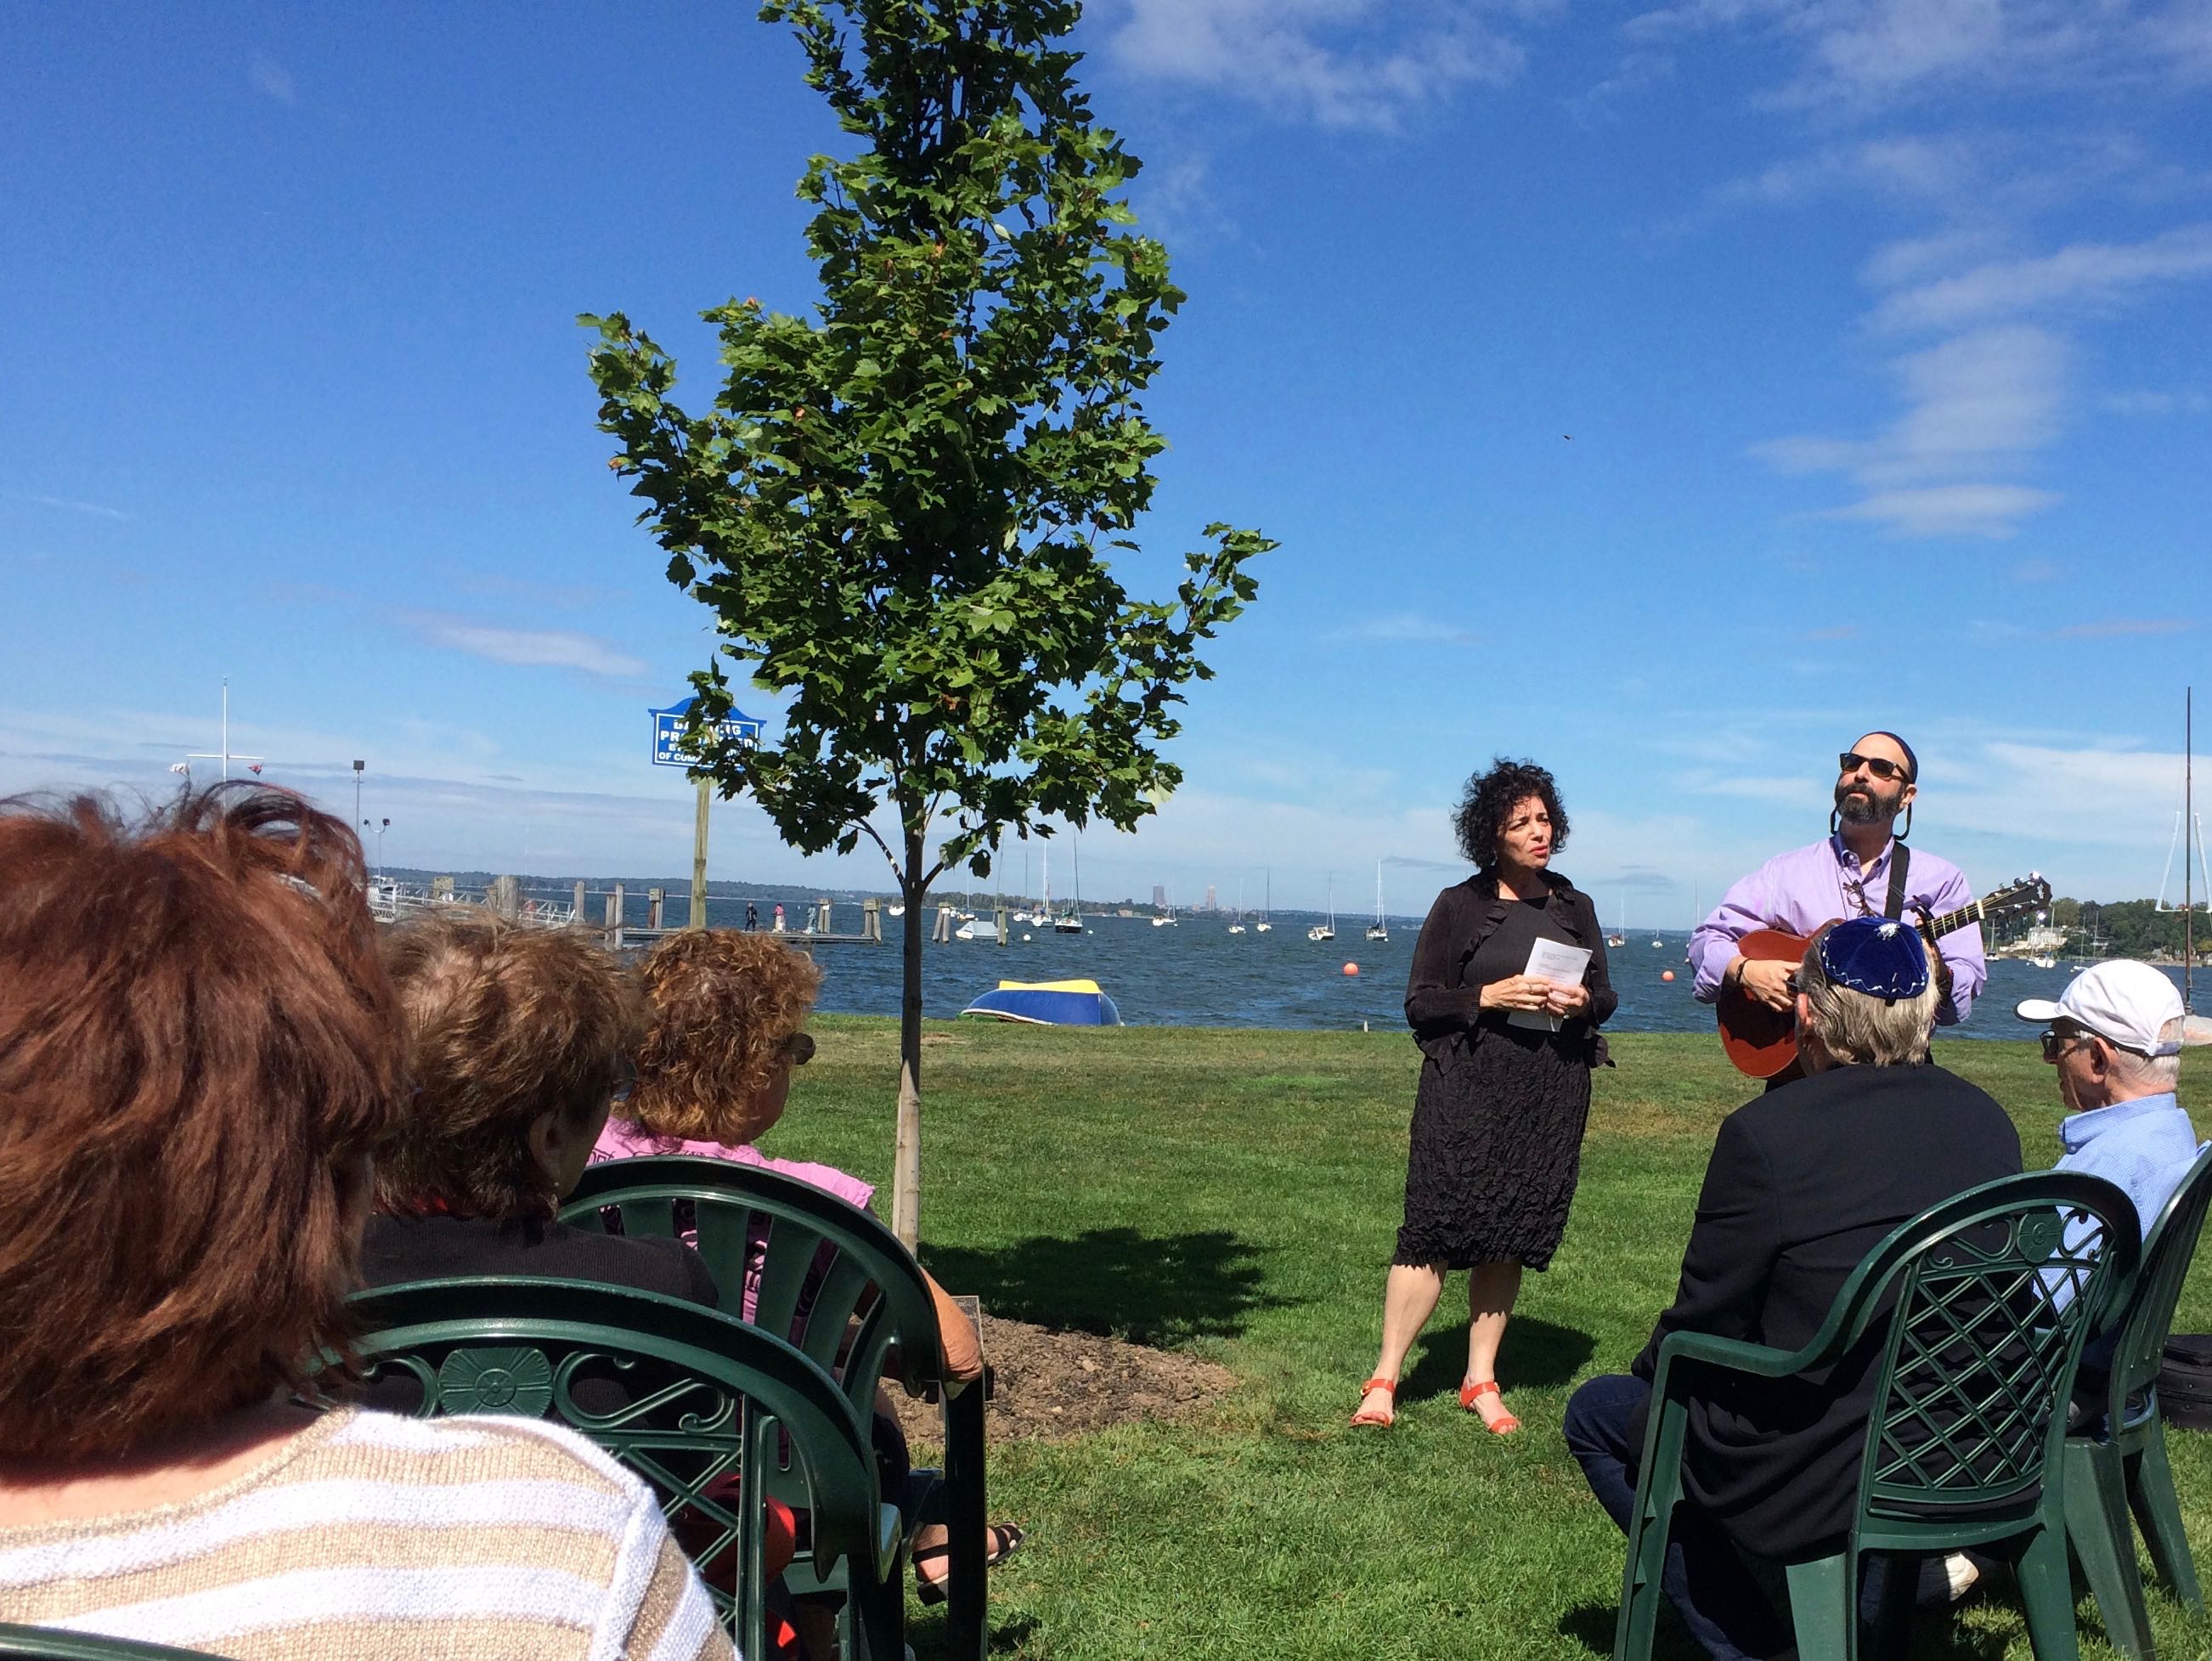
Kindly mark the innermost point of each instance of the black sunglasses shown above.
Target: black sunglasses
(1850, 761)
(800, 1048)
(2054, 1043)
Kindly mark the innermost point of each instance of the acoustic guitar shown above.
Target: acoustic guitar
(1763, 1041)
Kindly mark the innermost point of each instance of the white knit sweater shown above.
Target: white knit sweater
(370, 1537)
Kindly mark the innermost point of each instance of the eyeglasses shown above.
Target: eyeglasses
(2055, 1043)
(1850, 761)
(799, 1049)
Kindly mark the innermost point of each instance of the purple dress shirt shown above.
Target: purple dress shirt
(1799, 891)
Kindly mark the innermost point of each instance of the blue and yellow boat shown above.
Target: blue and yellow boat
(1048, 1003)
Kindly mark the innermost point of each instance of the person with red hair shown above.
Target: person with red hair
(200, 1057)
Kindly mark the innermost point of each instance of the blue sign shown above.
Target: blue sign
(670, 748)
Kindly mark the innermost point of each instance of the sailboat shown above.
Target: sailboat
(1266, 904)
(1327, 931)
(2189, 838)
(1236, 918)
(1620, 937)
(1073, 922)
(1380, 928)
(1167, 918)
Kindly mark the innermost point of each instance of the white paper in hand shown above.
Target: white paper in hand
(1550, 960)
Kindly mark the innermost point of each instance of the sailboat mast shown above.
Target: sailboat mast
(2188, 844)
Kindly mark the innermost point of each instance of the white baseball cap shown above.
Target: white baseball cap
(2122, 1001)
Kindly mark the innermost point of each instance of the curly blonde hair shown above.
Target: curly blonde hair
(722, 1006)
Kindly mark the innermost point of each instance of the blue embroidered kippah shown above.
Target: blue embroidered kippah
(1877, 956)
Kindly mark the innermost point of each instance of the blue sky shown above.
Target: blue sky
(1666, 392)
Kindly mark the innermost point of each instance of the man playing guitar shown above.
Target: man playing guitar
(1859, 869)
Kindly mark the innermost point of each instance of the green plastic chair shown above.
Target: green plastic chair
(826, 1264)
(45, 1643)
(2116, 1460)
(1964, 1445)
(683, 1395)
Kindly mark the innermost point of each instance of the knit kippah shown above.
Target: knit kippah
(1877, 956)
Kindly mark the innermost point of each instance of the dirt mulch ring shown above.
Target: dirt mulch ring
(1055, 1384)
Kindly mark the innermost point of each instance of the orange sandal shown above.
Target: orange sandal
(1470, 1394)
(1368, 1415)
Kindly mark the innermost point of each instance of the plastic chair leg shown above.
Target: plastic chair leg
(2046, 1594)
(875, 1617)
(2097, 1525)
(1822, 1593)
(1640, 1592)
(2151, 1496)
(965, 1626)
(1650, 1525)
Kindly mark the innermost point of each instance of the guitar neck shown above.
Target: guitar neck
(1936, 927)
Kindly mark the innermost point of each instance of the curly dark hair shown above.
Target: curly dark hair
(1491, 797)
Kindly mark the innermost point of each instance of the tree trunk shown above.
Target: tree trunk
(906, 1163)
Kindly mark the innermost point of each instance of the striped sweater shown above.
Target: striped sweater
(370, 1537)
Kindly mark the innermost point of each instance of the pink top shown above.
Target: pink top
(623, 1141)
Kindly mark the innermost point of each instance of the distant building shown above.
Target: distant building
(1210, 906)
(1159, 897)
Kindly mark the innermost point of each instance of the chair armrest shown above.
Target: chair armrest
(1730, 1354)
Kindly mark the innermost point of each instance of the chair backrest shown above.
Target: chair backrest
(682, 1394)
(1974, 1311)
(1987, 1298)
(2143, 1321)
(45, 1643)
(822, 1263)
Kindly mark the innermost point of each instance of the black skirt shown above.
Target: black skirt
(1499, 1119)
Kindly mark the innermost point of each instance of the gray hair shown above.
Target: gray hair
(1855, 1029)
(2151, 1074)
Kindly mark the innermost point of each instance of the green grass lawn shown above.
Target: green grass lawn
(1236, 1194)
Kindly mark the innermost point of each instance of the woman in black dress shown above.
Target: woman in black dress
(1498, 1117)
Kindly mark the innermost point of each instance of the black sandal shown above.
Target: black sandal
(1005, 1540)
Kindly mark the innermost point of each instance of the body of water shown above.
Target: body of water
(1197, 973)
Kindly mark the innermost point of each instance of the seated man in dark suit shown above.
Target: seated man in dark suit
(1802, 1183)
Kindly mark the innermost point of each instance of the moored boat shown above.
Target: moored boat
(1048, 1003)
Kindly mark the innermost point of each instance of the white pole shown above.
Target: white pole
(225, 728)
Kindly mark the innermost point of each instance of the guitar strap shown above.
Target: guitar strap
(1900, 861)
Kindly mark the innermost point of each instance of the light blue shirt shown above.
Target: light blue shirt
(2143, 1148)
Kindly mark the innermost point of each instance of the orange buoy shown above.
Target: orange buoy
(1352, 969)
(1666, 974)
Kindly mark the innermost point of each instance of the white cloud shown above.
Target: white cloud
(272, 78)
(1866, 54)
(2155, 403)
(68, 505)
(1980, 510)
(2123, 628)
(1406, 628)
(1984, 403)
(1339, 62)
(1914, 259)
(556, 648)
(2084, 275)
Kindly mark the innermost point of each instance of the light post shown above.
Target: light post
(379, 827)
(357, 766)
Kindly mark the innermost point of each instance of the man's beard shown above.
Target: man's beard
(1857, 806)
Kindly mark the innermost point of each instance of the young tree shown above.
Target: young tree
(896, 507)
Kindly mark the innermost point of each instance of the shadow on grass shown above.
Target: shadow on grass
(1536, 1353)
(1150, 1289)
(1004, 1635)
(1936, 1637)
